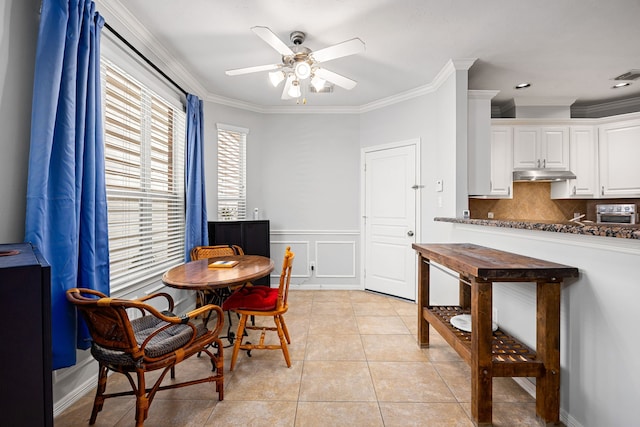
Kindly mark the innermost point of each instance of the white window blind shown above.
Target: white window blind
(144, 171)
(232, 202)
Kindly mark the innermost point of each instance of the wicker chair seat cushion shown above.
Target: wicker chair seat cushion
(259, 298)
(165, 342)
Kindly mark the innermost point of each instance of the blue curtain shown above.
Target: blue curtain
(66, 214)
(196, 233)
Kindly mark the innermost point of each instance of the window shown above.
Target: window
(232, 203)
(144, 171)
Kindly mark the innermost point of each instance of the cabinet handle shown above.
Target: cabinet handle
(602, 191)
(538, 163)
(544, 163)
(574, 190)
(508, 190)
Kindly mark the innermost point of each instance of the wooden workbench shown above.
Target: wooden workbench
(496, 354)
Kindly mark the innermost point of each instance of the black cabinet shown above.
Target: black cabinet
(25, 358)
(251, 236)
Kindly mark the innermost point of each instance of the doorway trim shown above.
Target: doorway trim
(416, 143)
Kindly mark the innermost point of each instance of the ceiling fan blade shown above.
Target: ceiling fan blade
(272, 40)
(247, 70)
(287, 85)
(346, 48)
(336, 78)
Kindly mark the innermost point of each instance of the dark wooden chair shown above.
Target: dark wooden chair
(263, 301)
(153, 341)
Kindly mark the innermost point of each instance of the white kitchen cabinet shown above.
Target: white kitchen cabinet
(501, 161)
(583, 154)
(479, 144)
(538, 147)
(619, 151)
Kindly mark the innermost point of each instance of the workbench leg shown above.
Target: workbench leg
(548, 350)
(481, 358)
(423, 300)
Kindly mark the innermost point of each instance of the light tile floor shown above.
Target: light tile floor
(355, 362)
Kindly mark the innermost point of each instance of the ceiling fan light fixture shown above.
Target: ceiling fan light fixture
(276, 77)
(294, 90)
(318, 83)
(302, 70)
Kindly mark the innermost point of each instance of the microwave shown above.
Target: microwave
(616, 214)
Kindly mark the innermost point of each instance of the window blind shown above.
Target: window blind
(232, 202)
(144, 171)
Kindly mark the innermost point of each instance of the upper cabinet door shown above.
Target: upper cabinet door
(526, 147)
(539, 147)
(554, 147)
(619, 148)
(501, 161)
(583, 162)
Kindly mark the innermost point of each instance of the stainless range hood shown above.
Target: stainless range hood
(546, 175)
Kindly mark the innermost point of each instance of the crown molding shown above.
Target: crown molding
(449, 68)
(620, 106)
(115, 10)
(543, 101)
(482, 94)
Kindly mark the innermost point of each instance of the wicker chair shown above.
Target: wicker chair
(263, 301)
(154, 341)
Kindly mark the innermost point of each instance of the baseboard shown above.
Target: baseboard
(530, 388)
(320, 286)
(74, 395)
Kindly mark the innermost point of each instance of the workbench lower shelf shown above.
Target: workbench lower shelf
(510, 358)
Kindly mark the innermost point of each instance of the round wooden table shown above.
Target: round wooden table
(197, 276)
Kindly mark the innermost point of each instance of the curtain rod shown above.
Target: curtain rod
(147, 60)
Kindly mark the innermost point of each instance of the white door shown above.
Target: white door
(390, 221)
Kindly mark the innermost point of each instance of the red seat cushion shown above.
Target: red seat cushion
(259, 298)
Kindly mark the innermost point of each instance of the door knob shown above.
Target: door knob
(409, 233)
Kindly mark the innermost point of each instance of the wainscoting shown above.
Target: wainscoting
(325, 259)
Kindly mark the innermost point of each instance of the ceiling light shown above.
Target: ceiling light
(276, 77)
(294, 90)
(619, 85)
(523, 85)
(302, 70)
(318, 83)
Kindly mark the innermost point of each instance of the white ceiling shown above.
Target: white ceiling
(565, 48)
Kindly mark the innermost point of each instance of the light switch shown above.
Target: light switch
(438, 185)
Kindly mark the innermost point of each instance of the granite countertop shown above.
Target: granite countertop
(589, 229)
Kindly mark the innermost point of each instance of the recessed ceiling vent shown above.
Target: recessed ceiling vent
(630, 75)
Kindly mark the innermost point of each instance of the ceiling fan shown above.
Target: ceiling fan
(300, 63)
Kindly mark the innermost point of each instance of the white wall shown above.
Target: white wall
(18, 36)
(303, 176)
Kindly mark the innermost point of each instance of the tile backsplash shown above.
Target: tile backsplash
(532, 202)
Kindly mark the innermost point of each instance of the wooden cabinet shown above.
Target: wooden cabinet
(251, 236)
(619, 151)
(25, 283)
(583, 155)
(539, 147)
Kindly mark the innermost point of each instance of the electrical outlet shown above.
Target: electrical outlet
(490, 215)
(312, 266)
